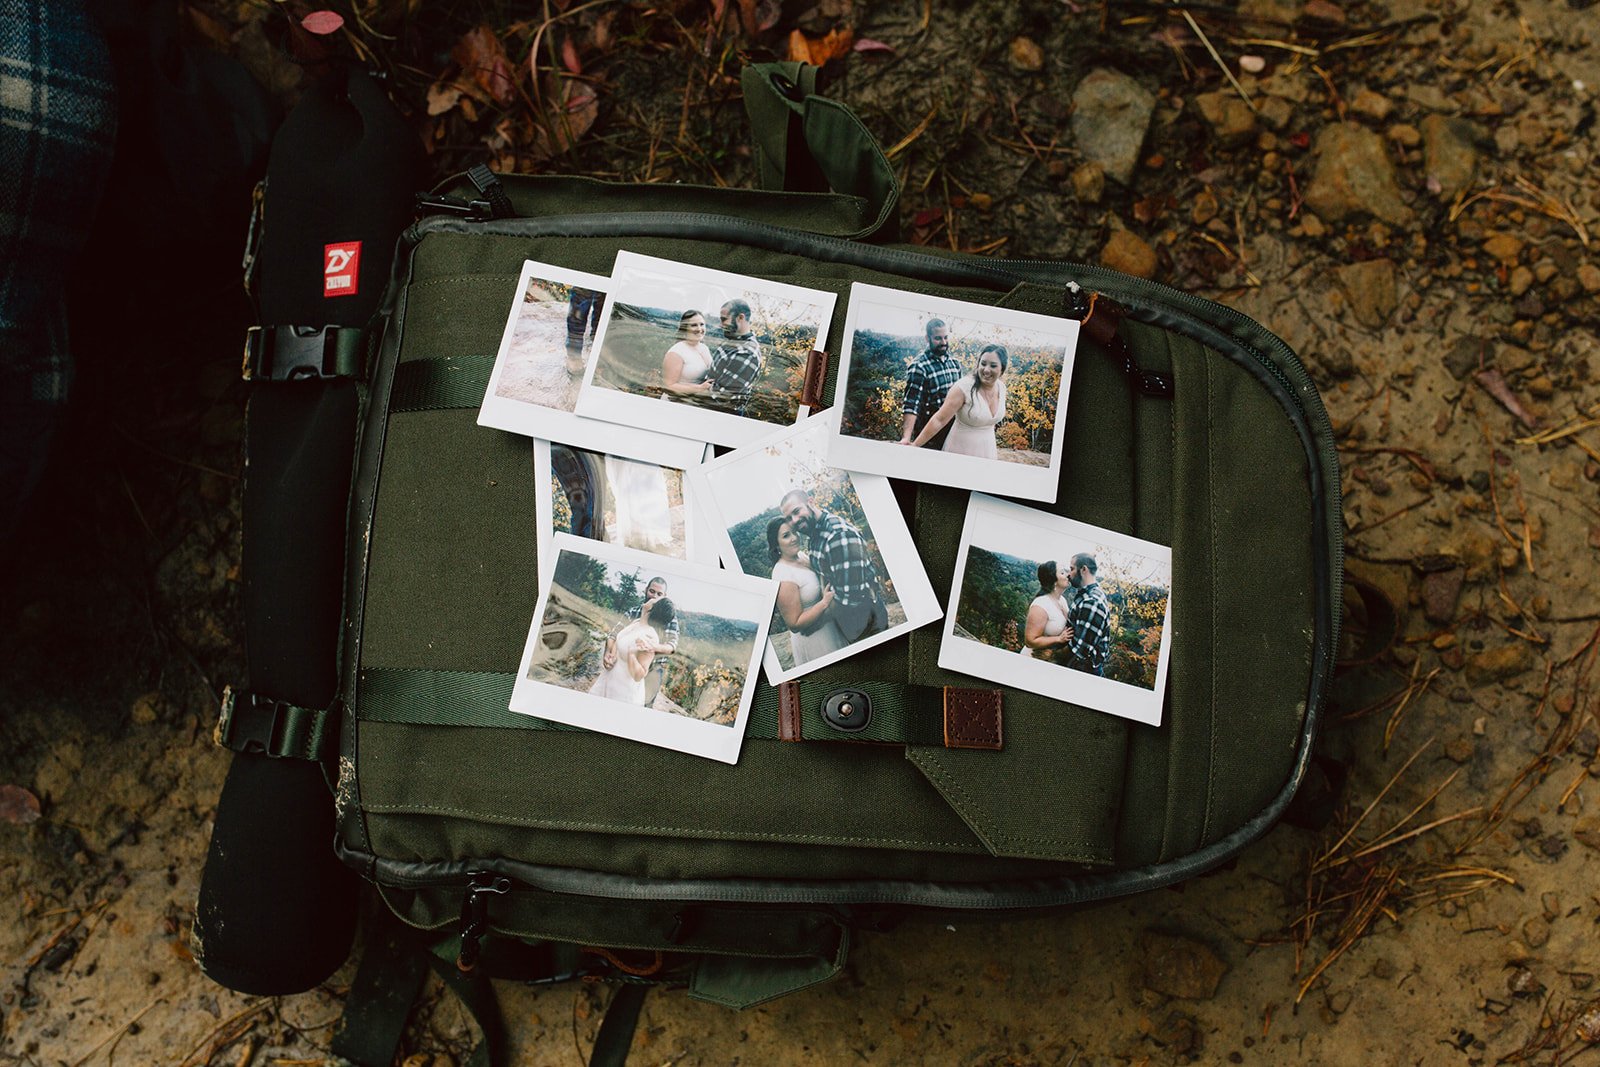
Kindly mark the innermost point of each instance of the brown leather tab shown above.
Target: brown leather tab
(972, 718)
(1100, 324)
(789, 712)
(816, 376)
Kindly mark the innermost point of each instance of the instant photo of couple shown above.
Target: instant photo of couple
(836, 544)
(954, 393)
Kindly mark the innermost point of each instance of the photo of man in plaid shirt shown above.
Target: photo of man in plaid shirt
(1089, 620)
(840, 558)
(928, 381)
(736, 362)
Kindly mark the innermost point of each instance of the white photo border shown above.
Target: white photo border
(899, 550)
(687, 420)
(569, 427)
(751, 599)
(944, 468)
(986, 513)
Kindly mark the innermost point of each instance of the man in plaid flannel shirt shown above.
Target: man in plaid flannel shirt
(928, 380)
(736, 362)
(1089, 619)
(840, 558)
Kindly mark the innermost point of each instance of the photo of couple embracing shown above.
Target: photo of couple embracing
(830, 593)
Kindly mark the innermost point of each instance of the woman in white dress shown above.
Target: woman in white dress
(803, 601)
(1045, 629)
(686, 364)
(637, 645)
(976, 403)
(642, 504)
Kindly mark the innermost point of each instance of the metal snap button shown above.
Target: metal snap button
(848, 710)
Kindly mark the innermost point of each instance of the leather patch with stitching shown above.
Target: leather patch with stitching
(972, 719)
(789, 712)
(816, 376)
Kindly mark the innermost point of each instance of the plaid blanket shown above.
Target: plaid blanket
(57, 131)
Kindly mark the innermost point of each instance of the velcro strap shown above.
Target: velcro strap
(250, 722)
(296, 353)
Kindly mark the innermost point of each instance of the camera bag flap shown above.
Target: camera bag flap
(1190, 426)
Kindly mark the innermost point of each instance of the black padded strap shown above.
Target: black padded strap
(611, 1044)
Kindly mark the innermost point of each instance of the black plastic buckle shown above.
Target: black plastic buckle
(292, 353)
(249, 722)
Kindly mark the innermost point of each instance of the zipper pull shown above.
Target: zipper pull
(475, 917)
(1077, 302)
(490, 188)
(471, 210)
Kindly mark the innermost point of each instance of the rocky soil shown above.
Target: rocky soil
(1404, 191)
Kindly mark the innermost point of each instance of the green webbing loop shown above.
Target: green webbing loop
(434, 384)
(250, 722)
(901, 714)
(808, 143)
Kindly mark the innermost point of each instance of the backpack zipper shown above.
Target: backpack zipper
(481, 886)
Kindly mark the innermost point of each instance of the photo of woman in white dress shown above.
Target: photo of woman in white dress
(971, 408)
(1045, 629)
(803, 601)
(637, 645)
(687, 364)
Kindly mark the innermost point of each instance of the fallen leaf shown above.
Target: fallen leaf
(18, 806)
(819, 50)
(600, 33)
(569, 56)
(867, 44)
(483, 59)
(573, 108)
(323, 22)
(442, 96)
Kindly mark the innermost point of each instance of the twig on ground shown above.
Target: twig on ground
(118, 1032)
(1194, 27)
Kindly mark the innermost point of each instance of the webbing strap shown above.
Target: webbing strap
(611, 1044)
(249, 722)
(900, 714)
(436, 384)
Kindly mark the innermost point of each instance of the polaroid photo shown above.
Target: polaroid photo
(620, 501)
(1061, 608)
(646, 647)
(701, 353)
(943, 391)
(548, 341)
(849, 575)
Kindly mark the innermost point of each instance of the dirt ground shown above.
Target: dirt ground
(1408, 198)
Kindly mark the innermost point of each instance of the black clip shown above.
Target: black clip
(294, 353)
(251, 726)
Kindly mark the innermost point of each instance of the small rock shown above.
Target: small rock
(1535, 932)
(1180, 1033)
(18, 806)
(59, 954)
(146, 709)
(1181, 967)
(1587, 831)
(1541, 386)
(1589, 278)
(1384, 968)
(1252, 64)
(1232, 122)
(1587, 742)
(1450, 153)
(1440, 592)
(1354, 177)
(1404, 135)
(1275, 112)
(1205, 207)
(1311, 225)
(1110, 116)
(1459, 750)
(1339, 1002)
(1544, 270)
(1521, 280)
(1551, 902)
(1553, 846)
(1026, 55)
(1126, 252)
(1089, 183)
(1498, 664)
(1523, 983)
(1369, 104)
(1370, 288)
(1504, 246)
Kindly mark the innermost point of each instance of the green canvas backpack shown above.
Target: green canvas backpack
(1191, 426)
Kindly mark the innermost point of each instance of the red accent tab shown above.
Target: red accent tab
(341, 268)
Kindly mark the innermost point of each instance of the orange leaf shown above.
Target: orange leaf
(819, 50)
(569, 56)
(483, 59)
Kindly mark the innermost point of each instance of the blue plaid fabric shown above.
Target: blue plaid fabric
(57, 131)
(1090, 619)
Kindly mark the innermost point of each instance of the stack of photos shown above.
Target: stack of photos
(625, 383)
(1062, 609)
(645, 647)
(847, 571)
(548, 344)
(944, 391)
(620, 501)
(701, 353)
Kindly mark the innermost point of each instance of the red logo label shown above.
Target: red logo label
(341, 265)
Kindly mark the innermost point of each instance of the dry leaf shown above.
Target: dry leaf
(819, 50)
(573, 107)
(18, 806)
(867, 44)
(323, 22)
(442, 96)
(569, 56)
(483, 59)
